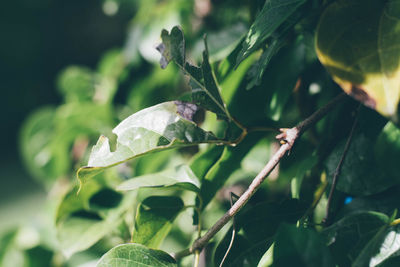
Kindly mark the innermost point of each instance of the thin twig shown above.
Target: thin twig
(233, 233)
(339, 167)
(288, 136)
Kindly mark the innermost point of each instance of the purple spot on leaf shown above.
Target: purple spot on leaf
(186, 110)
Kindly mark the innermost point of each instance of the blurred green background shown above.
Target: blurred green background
(39, 39)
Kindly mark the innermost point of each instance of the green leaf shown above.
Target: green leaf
(267, 259)
(227, 163)
(257, 230)
(204, 161)
(357, 41)
(272, 15)
(385, 244)
(205, 91)
(288, 64)
(180, 177)
(7, 240)
(166, 125)
(154, 219)
(348, 237)
(48, 135)
(300, 247)
(384, 202)
(77, 84)
(135, 255)
(282, 75)
(36, 134)
(83, 219)
(361, 175)
(79, 233)
(73, 202)
(303, 168)
(230, 79)
(257, 71)
(387, 149)
(223, 42)
(17, 249)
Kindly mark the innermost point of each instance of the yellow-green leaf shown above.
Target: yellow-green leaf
(359, 43)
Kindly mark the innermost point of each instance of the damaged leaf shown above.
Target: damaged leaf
(163, 126)
(205, 91)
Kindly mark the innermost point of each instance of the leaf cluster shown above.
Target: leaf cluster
(204, 124)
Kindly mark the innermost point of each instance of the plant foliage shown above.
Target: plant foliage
(202, 125)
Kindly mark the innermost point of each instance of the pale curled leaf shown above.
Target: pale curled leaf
(205, 91)
(135, 255)
(180, 177)
(162, 126)
(358, 42)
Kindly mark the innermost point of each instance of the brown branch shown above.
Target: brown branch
(287, 138)
(338, 168)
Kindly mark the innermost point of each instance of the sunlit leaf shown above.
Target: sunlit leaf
(272, 15)
(180, 177)
(83, 219)
(205, 91)
(357, 41)
(163, 126)
(73, 202)
(204, 161)
(135, 255)
(154, 219)
(80, 233)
